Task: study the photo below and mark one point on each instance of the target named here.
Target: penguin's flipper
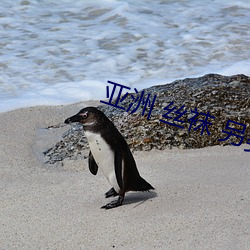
(111, 193)
(118, 166)
(93, 167)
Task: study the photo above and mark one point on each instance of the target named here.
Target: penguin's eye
(84, 115)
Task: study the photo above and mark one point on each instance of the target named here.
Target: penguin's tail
(141, 185)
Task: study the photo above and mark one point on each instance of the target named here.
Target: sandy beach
(201, 198)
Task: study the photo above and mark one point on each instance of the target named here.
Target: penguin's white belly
(104, 157)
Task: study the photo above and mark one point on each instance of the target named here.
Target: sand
(201, 200)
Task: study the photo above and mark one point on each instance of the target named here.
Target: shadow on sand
(138, 198)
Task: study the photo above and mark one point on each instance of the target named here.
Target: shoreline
(201, 198)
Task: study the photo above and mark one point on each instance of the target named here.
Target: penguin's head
(88, 117)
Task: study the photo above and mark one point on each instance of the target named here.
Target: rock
(222, 96)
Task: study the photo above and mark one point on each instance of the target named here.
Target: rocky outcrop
(224, 98)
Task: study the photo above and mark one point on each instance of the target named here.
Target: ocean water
(61, 52)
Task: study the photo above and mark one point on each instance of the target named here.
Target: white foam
(60, 52)
(242, 67)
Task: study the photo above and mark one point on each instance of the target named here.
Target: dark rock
(223, 97)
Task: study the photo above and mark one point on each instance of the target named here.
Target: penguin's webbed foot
(111, 193)
(113, 204)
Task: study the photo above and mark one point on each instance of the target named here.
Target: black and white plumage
(110, 152)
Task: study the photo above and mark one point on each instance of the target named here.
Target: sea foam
(62, 52)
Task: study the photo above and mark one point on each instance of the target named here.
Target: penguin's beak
(74, 118)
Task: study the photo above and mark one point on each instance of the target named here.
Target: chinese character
(204, 123)
(180, 114)
(141, 100)
(193, 119)
(112, 95)
(231, 133)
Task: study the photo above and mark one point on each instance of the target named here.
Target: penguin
(110, 152)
